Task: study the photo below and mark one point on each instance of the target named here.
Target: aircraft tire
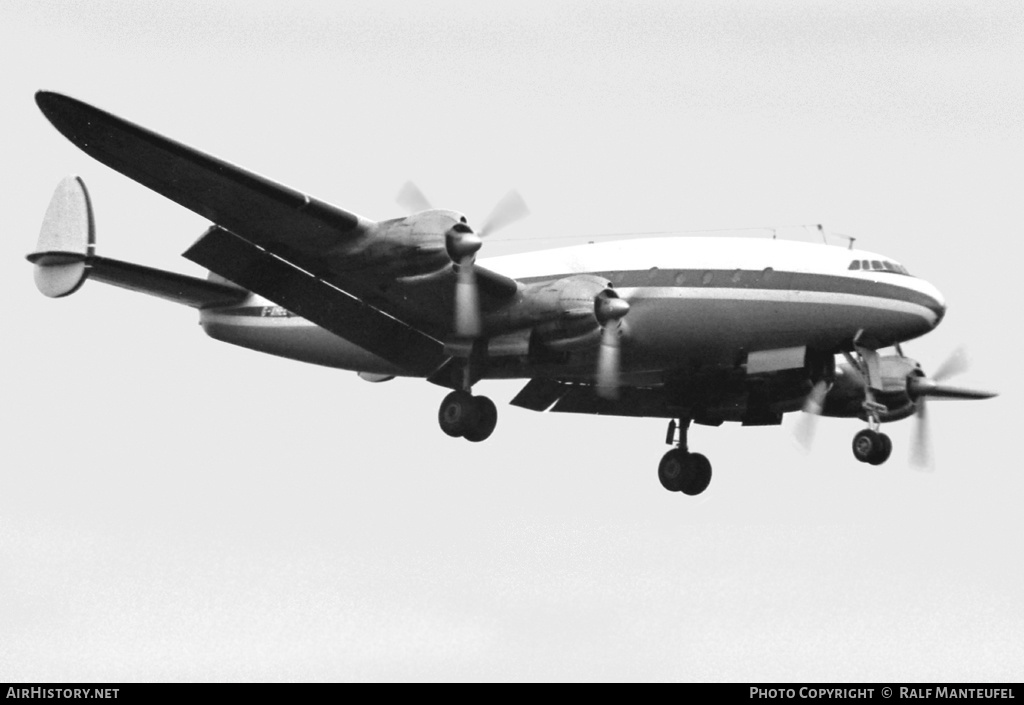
(484, 420)
(671, 469)
(697, 475)
(457, 413)
(883, 451)
(871, 447)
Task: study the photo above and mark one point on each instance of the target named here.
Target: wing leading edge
(245, 203)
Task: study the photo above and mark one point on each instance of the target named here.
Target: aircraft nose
(937, 303)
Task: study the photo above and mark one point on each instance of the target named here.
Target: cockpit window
(879, 266)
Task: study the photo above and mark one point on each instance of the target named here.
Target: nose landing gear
(870, 445)
(680, 470)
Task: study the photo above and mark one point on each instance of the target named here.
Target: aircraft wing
(243, 202)
(297, 251)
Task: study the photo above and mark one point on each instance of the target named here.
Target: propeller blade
(608, 362)
(853, 373)
(467, 301)
(412, 199)
(921, 453)
(955, 364)
(813, 404)
(507, 211)
(462, 244)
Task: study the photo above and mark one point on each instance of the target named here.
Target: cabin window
(681, 278)
(736, 276)
(766, 275)
(652, 274)
(706, 279)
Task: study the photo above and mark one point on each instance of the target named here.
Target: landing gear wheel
(697, 475)
(670, 470)
(872, 447)
(884, 450)
(483, 422)
(689, 473)
(457, 413)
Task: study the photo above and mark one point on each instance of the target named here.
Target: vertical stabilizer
(66, 240)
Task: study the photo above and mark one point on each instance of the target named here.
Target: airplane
(691, 329)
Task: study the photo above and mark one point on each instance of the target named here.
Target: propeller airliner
(689, 329)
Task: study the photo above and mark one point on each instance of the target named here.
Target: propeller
(921, 450)
(609, 310)
(412, 199)
(921, 388)
(814, 402)
(462, 244)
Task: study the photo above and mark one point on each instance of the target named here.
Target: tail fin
(65, 258)
(66, 240)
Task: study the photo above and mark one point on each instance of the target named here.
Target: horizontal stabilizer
(180, 288)
(64, 258)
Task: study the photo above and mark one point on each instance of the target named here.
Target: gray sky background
(175, 508)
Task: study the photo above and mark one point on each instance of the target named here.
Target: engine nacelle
(576, 305)
(410, 246)
(572, 331)
(559, 316)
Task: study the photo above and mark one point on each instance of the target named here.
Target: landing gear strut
(680, 470)
(870, 445)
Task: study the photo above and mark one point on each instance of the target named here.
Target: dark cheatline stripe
(762, 279)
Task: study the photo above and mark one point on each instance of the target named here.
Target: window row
(878, 265)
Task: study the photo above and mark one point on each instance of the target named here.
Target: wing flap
(632, 401)
(540, 394)
(322, 303)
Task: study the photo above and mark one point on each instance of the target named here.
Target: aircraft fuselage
(709, 299)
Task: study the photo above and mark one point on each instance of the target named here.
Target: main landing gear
(680, 470)
(466, 416)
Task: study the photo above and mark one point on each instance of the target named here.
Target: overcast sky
(173, 508)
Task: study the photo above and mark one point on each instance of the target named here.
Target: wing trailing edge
(316, 300)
